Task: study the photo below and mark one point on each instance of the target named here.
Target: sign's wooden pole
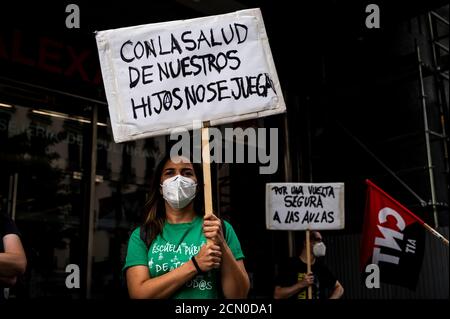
(206, 164)
(308, 261)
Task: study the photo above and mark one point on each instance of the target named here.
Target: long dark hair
(154, 214)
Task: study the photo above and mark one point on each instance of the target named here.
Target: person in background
(169, 256)
(293, 280)
(13, 261)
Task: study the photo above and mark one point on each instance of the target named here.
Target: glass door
(40, 186)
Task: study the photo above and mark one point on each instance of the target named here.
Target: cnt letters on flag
(393, 238)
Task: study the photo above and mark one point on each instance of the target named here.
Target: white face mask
(179, 191)
(319, 249)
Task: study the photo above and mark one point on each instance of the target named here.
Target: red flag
(393, 238)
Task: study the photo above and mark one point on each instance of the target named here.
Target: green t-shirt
(175, 246)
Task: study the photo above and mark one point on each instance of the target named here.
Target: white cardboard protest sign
(301, 206)
(164, 76)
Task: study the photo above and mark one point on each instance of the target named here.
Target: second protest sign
(301, 206)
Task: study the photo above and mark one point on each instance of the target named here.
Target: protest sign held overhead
(163, 76)
(300, 206)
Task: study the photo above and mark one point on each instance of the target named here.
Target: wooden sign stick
(206, 164)
(308, 261)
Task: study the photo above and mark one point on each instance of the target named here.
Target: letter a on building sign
(393, 238)
(164, 76)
